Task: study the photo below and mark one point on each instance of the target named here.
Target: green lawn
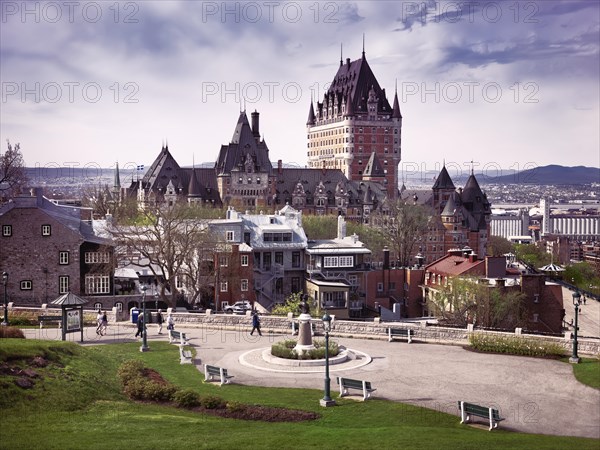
(77, 404)
(587, 371)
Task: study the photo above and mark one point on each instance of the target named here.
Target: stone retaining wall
(349, 328)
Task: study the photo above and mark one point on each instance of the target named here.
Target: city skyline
(509, 85)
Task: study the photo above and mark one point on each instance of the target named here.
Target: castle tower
(354, 121)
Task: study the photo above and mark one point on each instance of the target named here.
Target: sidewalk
(534, 395)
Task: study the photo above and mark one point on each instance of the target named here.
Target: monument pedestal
(304, 334)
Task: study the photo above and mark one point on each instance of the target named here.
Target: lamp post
(326, 400)
(576, 302)
(5, 282)
(144, 347)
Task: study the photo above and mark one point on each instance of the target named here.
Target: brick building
(50, 249)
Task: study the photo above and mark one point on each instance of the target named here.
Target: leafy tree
(319, 227)
(532, 255)
(463, 300)
(584, 276)
(403, 226)
(498, 246)
(12, 171)
(292, 305)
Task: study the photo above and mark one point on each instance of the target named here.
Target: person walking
(99, 322)
(140, 326)
(103, 324)
(159, 321)
(255, 324)
(170, 322)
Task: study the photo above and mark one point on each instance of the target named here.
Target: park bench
(185, 356)
(349, 383)
(400, 333)
(469, 409)
(213, 371)
(177, 336)
(45, 319)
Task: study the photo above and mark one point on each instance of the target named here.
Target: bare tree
(403, 226)
(12, 171)
(169, 241)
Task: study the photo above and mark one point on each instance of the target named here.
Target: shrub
(158, 392)
(11, 332)
(135, 388)
(130, 370)
(186, 398)
(514, 345)
(212, 402)
(285, 349)
(234, 406)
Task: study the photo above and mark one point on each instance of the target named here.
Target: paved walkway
(534, 395)
(589, 315)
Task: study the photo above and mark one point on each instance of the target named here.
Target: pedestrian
(255, 324)
(103, 324)
(140, 326)
(170, 322)
(159, 321)
(99, 322)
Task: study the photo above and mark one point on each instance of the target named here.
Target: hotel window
(26, 285)
(223, 286)
(63, 284)
(223, 261)
(63, 258)
(6, 230)
(278, 257)
(244, 285)
(96, 257)
(244, 260)
(229, 236)
(379, 287)
(46, 230)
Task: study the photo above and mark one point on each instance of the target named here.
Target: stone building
(49, 250)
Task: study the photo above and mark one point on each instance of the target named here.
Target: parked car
(239, 307)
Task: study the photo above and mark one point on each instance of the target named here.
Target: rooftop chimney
(255, 129)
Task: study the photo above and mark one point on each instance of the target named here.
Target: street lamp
(5, 282)
(326, 400)
(576, 302)
(144, 347)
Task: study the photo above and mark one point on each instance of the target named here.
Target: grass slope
(77, 403)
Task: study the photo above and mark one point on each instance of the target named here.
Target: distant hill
(552, 174)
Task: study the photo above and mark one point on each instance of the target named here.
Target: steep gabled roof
(443, 180)
(373, 167)
(163, 169)
(243, 143)
(356, 78)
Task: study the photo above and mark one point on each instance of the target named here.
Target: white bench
(400, 333)
(213, 371)
(361, 385)
(185, 356)
(469, 409)
(177, 336)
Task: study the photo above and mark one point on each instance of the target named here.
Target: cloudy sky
(505, 84)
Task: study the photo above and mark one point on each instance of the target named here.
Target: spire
(341, 56)
(311, 115)
(349, 107)
(363, 52)
(117, 184)
(396, 108)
